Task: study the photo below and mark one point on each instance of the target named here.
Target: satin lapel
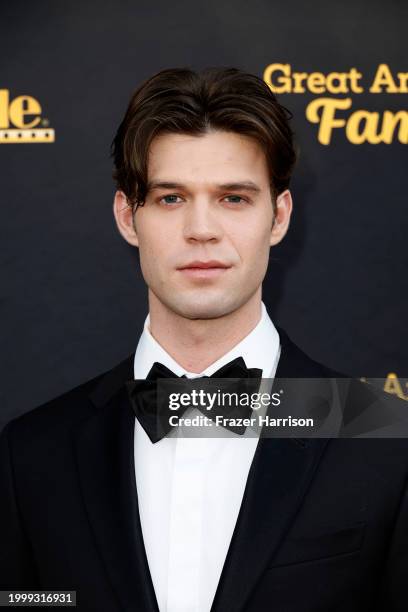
(105, 454)
(280, 475)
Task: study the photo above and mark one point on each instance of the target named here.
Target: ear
(282, 217)
(124, 217)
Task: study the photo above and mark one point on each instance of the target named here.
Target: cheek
(149, 238)
(154, 251)
(155, 235)
(252, 246)
(147, 250)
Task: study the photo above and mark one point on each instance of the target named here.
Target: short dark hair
(179, 100)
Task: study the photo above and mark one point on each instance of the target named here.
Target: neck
(197, 343)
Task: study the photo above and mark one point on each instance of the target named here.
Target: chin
(213, 308)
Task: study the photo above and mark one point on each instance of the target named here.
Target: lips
(204, 270)
(204, 265)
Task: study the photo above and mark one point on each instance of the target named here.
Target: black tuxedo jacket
(323, 524)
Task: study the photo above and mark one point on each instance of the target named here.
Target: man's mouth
(204, 269)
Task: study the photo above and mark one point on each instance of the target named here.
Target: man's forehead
(214, 146)
(178, 183)
(212, 160)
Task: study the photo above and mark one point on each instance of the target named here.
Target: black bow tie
(154, 415)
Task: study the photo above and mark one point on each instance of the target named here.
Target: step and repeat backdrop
(72, 295)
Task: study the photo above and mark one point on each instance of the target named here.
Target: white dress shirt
(190, 489)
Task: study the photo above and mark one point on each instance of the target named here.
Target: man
(92, 501)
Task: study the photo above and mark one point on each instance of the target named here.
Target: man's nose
(201, 222)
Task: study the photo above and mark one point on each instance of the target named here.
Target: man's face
(209, 201)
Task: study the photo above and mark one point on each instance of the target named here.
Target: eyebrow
(233, 186)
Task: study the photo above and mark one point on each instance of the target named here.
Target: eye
(170, 199)
(236, 199)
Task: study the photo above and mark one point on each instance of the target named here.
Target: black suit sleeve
(16, 563)
(395, 579)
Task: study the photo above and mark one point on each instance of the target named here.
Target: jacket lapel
(105, 454)
(280, 475)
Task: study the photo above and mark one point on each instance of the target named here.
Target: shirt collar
(259, 349)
